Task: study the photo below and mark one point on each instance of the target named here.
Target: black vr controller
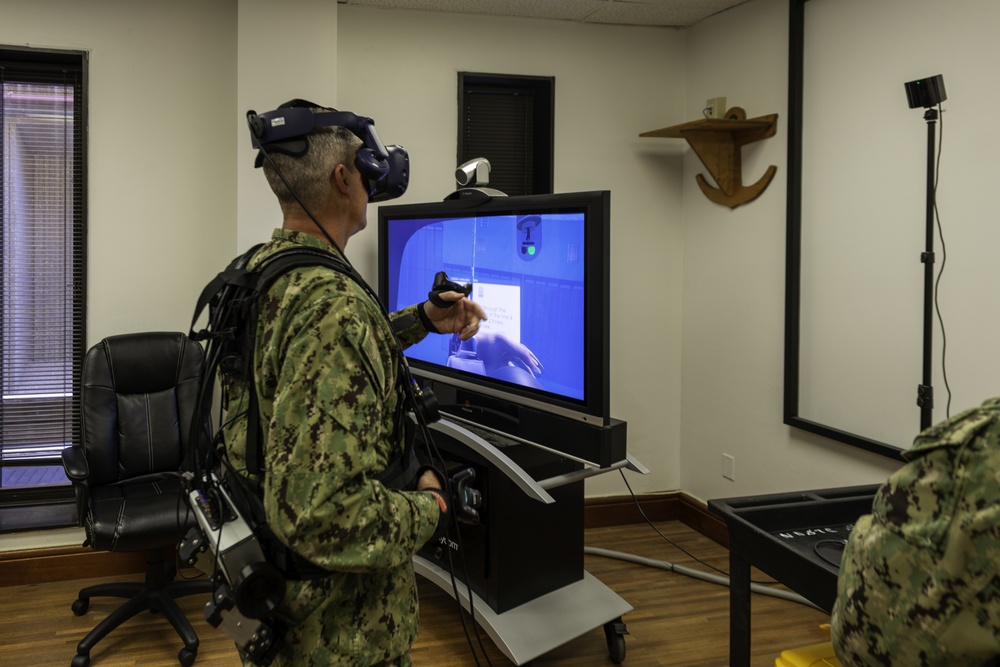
(466, 500)
(443, 284)
(422, 398)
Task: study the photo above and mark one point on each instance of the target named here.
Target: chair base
(156, 594)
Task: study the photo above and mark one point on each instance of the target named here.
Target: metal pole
(925, 392)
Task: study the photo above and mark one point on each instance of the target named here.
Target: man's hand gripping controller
(462, 503)
(465, 499)
(443, 284)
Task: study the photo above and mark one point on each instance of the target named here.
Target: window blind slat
(508, 120)
(499, 128)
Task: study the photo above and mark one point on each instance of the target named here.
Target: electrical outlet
(729, 467)
(715, 107)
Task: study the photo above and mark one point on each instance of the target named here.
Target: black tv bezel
(594, 408)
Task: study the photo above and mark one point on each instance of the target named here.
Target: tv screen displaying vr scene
(538, 265)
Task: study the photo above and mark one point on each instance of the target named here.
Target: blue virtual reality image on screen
(526, 272)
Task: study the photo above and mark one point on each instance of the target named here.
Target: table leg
(739, 611)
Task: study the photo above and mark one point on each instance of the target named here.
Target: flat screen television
(539, 265)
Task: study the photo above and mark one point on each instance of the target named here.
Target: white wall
(611, 83)
(734, 281)
(864, 206)
(698, 301)
(161, 207)
(287, 51)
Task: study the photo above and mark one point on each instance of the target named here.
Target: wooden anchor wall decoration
(718, 143)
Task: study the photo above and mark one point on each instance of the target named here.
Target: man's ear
(340, 177)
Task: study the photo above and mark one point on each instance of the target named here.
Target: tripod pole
(925, 392)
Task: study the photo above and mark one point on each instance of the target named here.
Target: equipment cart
(525, 559)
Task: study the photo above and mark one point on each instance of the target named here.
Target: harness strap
(232, 299)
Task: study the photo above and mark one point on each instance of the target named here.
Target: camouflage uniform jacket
(919, 581)
(325, 371)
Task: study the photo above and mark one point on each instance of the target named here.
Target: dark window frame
(20, 65)
(522, 120)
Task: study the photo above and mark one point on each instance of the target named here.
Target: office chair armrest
(76, 468)
(75, 464)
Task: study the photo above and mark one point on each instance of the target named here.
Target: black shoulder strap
(223, 297)
(282, 261)
(272, 268)
(234, 277)
(228, 336)
(239, 281)
(232, 299)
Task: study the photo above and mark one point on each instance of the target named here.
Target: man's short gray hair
(309, 175)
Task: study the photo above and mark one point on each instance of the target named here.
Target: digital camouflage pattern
(919, 582)
(325, 371)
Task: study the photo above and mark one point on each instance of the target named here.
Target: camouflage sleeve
(408, 325)
(329, 437)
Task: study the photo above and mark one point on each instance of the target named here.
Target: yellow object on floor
(814, 655)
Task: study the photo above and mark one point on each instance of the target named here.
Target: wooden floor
(677, 621)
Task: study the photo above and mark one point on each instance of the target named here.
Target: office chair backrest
(139, 394)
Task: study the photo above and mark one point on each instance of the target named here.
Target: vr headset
(385, 170)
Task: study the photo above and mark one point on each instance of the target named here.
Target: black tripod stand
(925, 391)
(927, 93)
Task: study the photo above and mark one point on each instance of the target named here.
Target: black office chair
(139, 393)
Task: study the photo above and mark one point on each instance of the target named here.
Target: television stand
(529, 590)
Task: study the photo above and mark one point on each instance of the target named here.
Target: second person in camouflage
(919, 583)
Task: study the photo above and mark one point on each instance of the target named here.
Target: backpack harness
(232, 299)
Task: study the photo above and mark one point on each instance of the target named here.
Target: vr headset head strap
(286, 130)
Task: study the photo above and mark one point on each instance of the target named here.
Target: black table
(796, 538)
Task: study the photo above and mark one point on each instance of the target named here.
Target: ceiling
(664, 13)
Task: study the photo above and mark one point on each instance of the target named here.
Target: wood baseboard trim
(671, 506)
(39, 566)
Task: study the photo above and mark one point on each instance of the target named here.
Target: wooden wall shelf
(718, 144)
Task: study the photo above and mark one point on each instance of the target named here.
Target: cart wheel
(614, 632)
(616, 649)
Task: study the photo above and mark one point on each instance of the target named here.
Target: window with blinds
(509, 121)
(42, 259)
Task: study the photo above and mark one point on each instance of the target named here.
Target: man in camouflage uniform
(919, 582)
(325, 368)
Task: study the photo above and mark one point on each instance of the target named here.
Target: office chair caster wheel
(186, 657)
(614, 632)
(80, 661)
(80, 608)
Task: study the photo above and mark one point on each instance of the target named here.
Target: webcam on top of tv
(471, 177)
